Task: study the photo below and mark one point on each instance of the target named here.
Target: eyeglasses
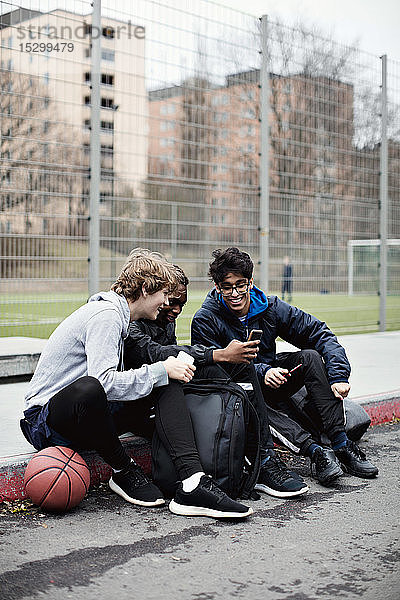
(227, 290)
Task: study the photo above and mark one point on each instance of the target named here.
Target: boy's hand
(340, 389)
(275, 377)
(237, 352)
(179, 370)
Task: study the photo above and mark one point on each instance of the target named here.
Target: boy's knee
(89, 390)
(310, 356)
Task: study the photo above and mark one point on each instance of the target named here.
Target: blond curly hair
(145, 268)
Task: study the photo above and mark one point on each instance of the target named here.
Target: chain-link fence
(147, 128)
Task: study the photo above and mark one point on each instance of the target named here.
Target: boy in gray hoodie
(81, 397)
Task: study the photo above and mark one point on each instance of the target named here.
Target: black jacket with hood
(149, 342)
(215, 325)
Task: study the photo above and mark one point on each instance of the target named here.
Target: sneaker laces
(355, 450)
(210, 485)
(136, 475)
(320, 459)
(277, 468)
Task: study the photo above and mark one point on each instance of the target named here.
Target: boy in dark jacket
(235, 307)
(152, 341)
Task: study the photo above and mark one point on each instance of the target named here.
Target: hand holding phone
(255, 335)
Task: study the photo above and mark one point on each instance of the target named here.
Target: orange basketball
(56, 478)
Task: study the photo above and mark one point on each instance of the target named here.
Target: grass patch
(37, 315)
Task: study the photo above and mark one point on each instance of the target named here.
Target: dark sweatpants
(325, 413)
(82, 414)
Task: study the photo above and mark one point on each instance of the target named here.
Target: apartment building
(311, 130)
(46, 98)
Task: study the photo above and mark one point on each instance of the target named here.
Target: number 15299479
(39, 47)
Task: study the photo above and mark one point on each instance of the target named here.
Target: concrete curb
(383, 409)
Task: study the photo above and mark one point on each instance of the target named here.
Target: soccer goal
(363, 264)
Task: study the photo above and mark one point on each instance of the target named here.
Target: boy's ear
(144, 291)
(251, 283)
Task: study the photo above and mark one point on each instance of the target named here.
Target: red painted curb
(13, 469)
(12, 473)
(383, 411)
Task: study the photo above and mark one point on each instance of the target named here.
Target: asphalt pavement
(332, 543)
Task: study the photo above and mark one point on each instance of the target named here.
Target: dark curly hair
(181, 276)
(231, 260)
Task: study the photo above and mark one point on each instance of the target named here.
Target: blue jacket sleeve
(306, 331)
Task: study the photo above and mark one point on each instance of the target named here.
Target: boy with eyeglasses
(236, 306)
(151, 341)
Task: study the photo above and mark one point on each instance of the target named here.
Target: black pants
(325, 412)
(82, 414)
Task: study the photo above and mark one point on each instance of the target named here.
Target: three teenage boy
(149, 341)
(231, 310)
(80, 396)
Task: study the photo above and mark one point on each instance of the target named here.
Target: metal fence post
(174, 231)
(94, 201)
(264, 158)
(383, 200)
(350, 280)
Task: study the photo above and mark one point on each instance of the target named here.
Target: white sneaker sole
(201, 511)
(115, 488)
(260, 487)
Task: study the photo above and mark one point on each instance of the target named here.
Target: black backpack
(227, 434)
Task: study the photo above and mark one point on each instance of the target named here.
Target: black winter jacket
(215, 325)
(149, 342)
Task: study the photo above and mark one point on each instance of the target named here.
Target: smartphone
(255, 334)
(185, 357)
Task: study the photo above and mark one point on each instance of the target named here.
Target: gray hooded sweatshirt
(90, 342)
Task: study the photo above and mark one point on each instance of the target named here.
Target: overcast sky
(375, 24)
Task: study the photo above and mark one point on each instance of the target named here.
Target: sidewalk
(375, 382)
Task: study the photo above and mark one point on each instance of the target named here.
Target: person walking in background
(287, 279)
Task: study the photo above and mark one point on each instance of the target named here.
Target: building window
(87, 100)
(108, 55)
(87, 77)
(46, 78)
(10, 42)
(167, 109)
(106, 151)
(88, 52)
(109, 33)
(88, 29)
(107, 79)
(86, 124)
(107, 126)
(107, 103)
(45, 126)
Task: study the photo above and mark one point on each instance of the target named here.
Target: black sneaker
(354, 461)
(276, 480)
(133, 485)
(292, 473)
(325, 465)
(207, 500)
